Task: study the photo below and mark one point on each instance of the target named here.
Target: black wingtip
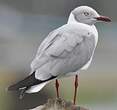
(23, 83)
(28, 82)
(9, 88)
(12, 88)
(22, 91)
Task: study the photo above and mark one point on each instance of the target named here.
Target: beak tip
(103, 18)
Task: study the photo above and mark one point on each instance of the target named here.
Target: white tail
(36, 88)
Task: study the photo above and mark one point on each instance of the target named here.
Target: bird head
(88, 15)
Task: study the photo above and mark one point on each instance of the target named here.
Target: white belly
(87, 64)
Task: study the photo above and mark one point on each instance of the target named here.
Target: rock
(59, 104)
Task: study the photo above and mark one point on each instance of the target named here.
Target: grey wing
(47, 41)
(40, 59)
(56, 46)
(64, 47)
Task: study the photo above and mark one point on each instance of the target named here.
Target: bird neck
(71, 19)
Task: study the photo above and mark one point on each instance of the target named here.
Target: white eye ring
(86, 13)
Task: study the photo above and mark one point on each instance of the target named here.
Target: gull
(65, 52)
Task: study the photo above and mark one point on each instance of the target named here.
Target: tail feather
(29, 85)
(22, 93)
(28, 82)
(36, 88)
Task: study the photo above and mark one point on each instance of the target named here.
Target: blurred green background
(25, 23)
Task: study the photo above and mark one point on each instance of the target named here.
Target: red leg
(57, 88)
(76, 86)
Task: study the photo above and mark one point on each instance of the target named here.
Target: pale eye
(86, 13)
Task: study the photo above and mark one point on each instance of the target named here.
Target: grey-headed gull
(64, 52)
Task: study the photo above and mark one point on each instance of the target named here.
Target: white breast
(96, 41)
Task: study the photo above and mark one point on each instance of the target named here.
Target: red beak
(103, 18)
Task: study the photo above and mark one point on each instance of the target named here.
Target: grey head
(88, 15)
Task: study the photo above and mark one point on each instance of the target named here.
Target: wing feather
(62, 48)
(57, 44)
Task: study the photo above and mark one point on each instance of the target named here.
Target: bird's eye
(86, 13)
